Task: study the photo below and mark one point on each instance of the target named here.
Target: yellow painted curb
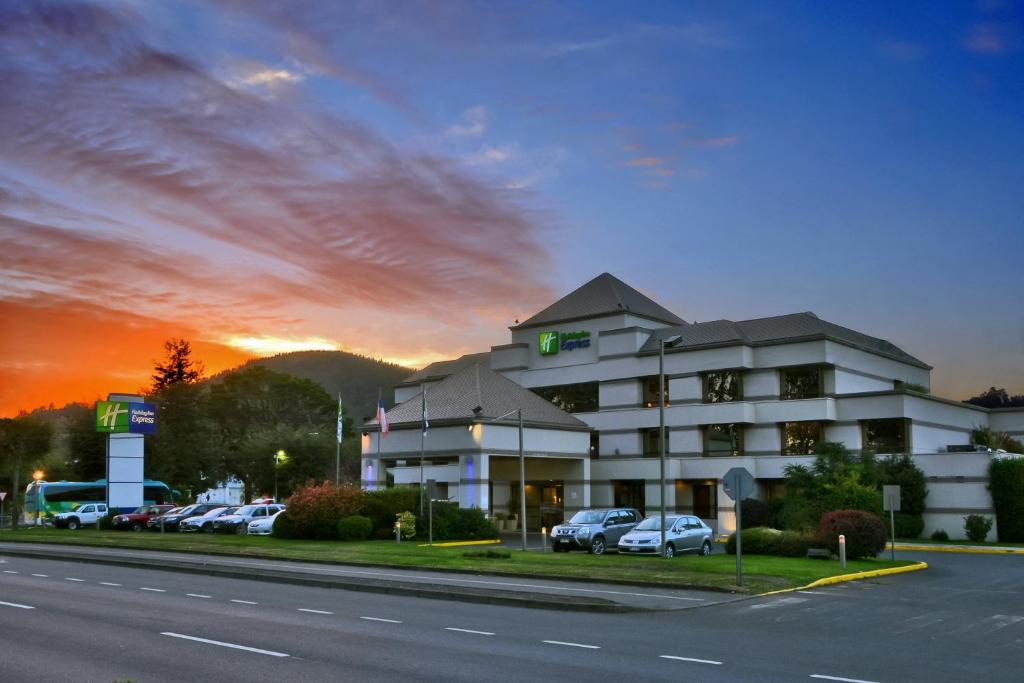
(452, 544)
(954, 549)
(843, 578)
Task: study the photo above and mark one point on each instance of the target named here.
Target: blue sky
(405, 179)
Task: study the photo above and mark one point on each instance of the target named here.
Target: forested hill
(357, 378)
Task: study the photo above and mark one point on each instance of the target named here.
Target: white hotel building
(755, 393)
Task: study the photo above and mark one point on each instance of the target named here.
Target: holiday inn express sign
(551, 343)
(121, 417)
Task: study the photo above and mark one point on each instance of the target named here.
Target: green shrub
(452, 523)
(407, 520)
(940, 535)
(908, 525)
(865, 532)
(798, 514)
(766, 541)
(901, 471)
(489, 553)
(314, 509)
(107, 521)
(977, 527)
(354, 528)
(1006, 483)
(756, 513)
(384, 505)
(283, 527)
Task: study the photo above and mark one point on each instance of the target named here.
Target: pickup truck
(83, 515)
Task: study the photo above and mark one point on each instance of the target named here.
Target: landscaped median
(717, 572)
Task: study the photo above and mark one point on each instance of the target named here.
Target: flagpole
(380, 432)
(337, 450)
(423, 437)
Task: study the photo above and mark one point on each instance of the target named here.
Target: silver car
(593, 529)
(683, 534)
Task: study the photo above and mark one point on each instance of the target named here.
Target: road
(65, 621)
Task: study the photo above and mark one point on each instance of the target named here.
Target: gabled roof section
(454, 398)
(604, 295)
(778, 329)
(444, 368)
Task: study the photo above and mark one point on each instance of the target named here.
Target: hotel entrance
(545, 504)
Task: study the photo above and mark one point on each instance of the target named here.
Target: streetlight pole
(522, 469)
(277, 459)
(661, 433)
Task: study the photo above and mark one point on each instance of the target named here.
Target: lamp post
(662, 343)
(522, 466)
(277, 459)
(37, 476)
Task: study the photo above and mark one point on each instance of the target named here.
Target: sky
(404, 180)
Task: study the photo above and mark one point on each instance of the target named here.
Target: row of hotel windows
(720, 386)
(890, 435)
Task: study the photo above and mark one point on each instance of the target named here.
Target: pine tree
(177, 367)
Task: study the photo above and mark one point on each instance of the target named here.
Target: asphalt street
(68, 621)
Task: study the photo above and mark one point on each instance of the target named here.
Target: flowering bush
(314, 509)
(408, 522)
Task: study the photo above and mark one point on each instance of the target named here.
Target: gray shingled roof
(781, 328)
(443, 368)
(477, 385)
(605, 294)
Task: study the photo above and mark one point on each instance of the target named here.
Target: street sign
(738, 483)
(891, 498)
(3, 494)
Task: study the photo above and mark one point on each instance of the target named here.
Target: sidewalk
(479, 588)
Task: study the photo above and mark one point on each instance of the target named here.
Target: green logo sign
(548, 343)
(122, 417)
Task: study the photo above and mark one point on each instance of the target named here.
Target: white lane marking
(691, 659)
(386, 621)
(838, 678)
(107, 583)
(42, 576)
(68, 578)
(14, 604)
(198, 595)
(559, 642)
(468, 630)
(153, 590)
(245, 602)
(233, 646)
(9, 571)
(314, 611)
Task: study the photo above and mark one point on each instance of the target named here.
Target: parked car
(138, 518)
(84, 515)
(238, 523)
(594, 530)
(204, 522)
(171, 519)
(263, 526)
(683, 534)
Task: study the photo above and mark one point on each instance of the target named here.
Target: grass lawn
(761, 573)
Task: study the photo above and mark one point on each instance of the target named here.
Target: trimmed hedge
(756, 513)
(865, 533)
(977, 527)
(354, 528)
(283, 527)
(766, 541)
(1006, 483)
(384, 505)
(908, 525)
(452, 523)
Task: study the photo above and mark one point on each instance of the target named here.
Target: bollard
(398, 532)
(543, 539)
(842, 551)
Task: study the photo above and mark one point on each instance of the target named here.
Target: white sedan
(264, 525)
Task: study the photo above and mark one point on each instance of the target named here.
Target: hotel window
(572, 398)
(805, 382)
(723, 440)
(722, 386)
(595, 445)
(651, 447)
(891, 435)
(800, 438)
(650, 395)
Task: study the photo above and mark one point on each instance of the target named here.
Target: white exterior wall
(620, 393)
(761, 384)
(844, 356)
(510, 356)
(847, 382)
(618, 342)
(685, 389)
(1010, 421)
(762, 440)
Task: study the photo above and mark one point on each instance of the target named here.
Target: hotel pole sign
(124, 417)
(550, 343)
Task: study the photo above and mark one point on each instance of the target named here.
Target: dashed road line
(314, 611)
(690, 659)
(386, 621)
(221, 643)
(107, 583)
(69, 578)
(14, 604)
(199, 595)
(560, 642)
(245, 602)
(10, 571)
(42, 576)
(468, 630)
(839, 678)
(153, 590)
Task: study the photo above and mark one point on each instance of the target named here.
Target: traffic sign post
(3, 494)
(891, 502)
(738, 484)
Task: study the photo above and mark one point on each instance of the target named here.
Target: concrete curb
(857, 576)
(456, 544)
(976, 550)
(566, 603)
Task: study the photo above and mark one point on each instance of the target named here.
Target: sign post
(738, 484)
(3, 494)
(891, 502)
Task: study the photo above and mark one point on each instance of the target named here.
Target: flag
(382, 418)
(426, 422)
(339, 419)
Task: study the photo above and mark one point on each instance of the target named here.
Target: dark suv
(594, 529)
(171, 520)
